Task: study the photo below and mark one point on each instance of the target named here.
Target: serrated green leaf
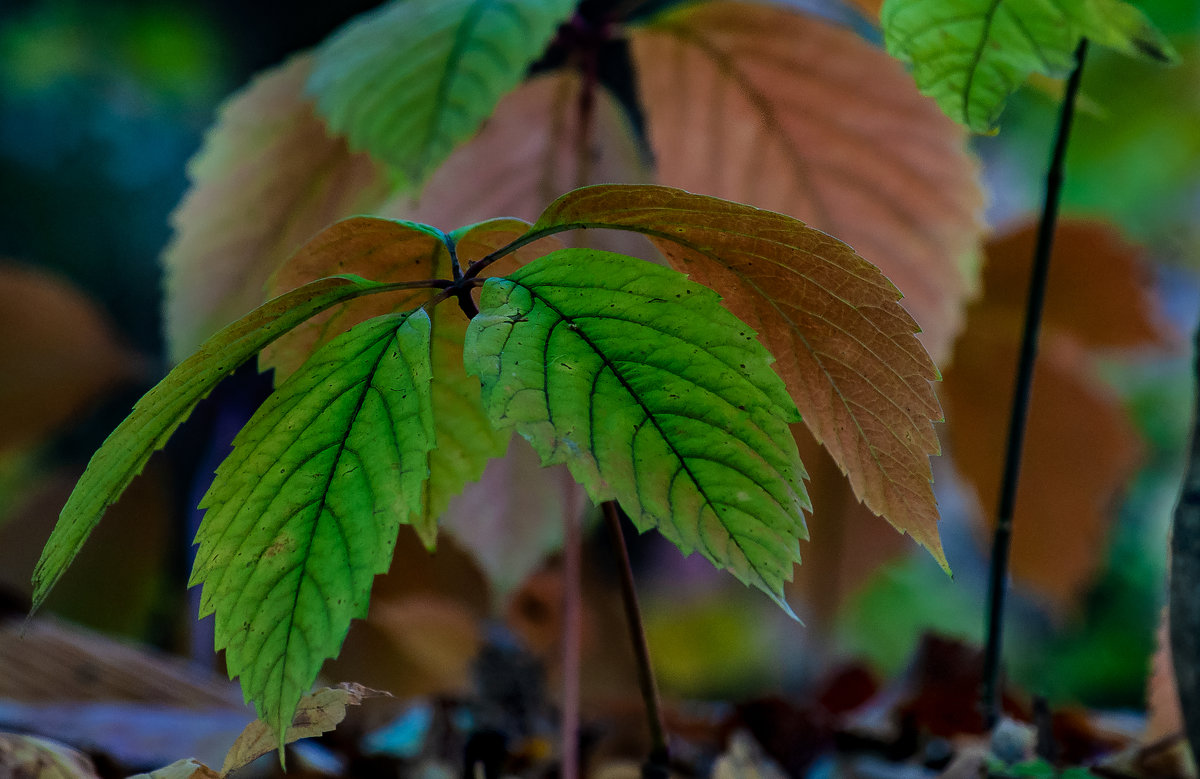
(162, 409)
(652, 394)
(970, 55)
(847, 350)
(411, 81)
(304, 512)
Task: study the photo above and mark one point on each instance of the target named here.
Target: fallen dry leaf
(316, 713)
(1079, 446)
(58, 353)
(267, 179)
(191, 768)
(770, 106)
(30, 757)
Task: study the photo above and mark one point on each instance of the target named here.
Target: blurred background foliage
(103, 103)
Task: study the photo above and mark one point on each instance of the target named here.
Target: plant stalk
(656, 764)
(1035, 302)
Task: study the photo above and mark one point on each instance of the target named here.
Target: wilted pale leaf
(652, 394)
(1080, 446)
(304, 511)
(39, 758)
(845, 347)
(772, 107)
(316, 713)
(268, 177)
(409, 82)
(970, 55)
(154, 418)
(58, 353)
(190, 768)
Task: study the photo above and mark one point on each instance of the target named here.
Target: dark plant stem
(659, 757)
(1183, 607)
(1002, 537)
(572, 649)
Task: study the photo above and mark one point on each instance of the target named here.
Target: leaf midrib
(649, 415)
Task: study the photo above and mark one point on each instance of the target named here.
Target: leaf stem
(1002, 536)
(656, 763)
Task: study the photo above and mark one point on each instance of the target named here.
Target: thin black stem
(1002, 537)
(659, 756)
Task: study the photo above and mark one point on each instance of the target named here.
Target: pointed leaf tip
(304, 512)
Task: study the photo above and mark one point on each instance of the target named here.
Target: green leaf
(155, 417)
(652, 394)
(970, 55)
(304, 512)
(411, 81)
(847, 350)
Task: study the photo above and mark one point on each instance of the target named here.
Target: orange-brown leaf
(1079, 446)
(1165, 717)
(530, 152)
(765, 105)
(58, 353)
(268, 178)
(1100, 285)
(844, 346)
(376, 249)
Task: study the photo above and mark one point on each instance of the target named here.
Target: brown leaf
(852, 544)
(58, 353)
(530, 152)
(191, 768)
(768, 106)
(512, 518)
(1165, 718)
(1079, 446)
(267, 179)
(377, 249)
(316, 713)
(117, 579)
(31, 757)
(47, 661)
(1100, 286)
(845, 347)
(423, 629)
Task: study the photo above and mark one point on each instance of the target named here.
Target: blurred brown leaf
(424, 626)
(267, 179)
(849, 543)
(772, 107)
(1080, 447)
(58, 353)
(1164, 716)
(512, 518)
(117, 582)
